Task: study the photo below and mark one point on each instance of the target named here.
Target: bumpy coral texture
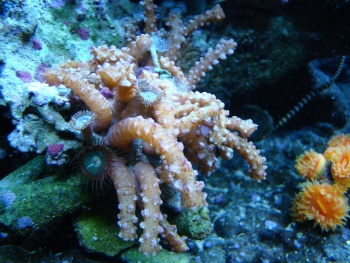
(154, 102)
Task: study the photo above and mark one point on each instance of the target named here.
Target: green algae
(39, 197)
(97, 228)
(194, 224)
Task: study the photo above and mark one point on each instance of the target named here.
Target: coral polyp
(95, 161)
(341, 166)
(310, 164)
(82, 121)
(335, 143)
(146, 94)
(321, 202)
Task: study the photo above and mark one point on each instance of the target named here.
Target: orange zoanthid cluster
(151, 104)
(319, 200)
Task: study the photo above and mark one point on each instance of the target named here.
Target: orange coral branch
(86, 91)
(225, 47)
(150, 19)
(213, 15)
(150, 196)
(176, 168)
(177, 243)
(125, 187)
(246, 149)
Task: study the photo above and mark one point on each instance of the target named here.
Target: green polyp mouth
(95, 161)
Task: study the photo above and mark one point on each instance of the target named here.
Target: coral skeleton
(155, 103)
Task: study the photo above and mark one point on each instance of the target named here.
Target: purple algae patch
(25, 222)
(55, 149)
(24, 76)
(40, 72)
(106, 93)
(84, 33)
(37, 44)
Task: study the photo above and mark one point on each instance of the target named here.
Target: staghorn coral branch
(213, 15)
(178, 33)
(125, 187)
(104, 54)
(86, 91)
(167, 64)
(150, 20)
(140, 46)
(205, 107)
(177, 243)
(150, 196)
(245, 127)
(175, 37)
(176, 168)
(225, 47)
(120, 77)
(246, 149)
(201, 151)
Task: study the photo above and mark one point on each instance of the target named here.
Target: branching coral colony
(156, 104)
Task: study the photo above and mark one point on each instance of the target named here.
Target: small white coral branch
(225, 47)
(150, 197)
